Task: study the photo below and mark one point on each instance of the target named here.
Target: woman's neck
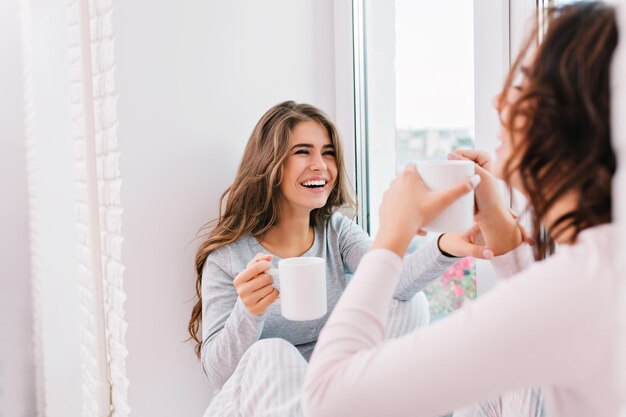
(291, 237)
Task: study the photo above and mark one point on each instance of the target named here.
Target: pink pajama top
(554, 325)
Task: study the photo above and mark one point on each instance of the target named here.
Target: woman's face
(310, 169)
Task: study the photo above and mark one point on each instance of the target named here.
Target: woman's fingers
(409, 204)
(265, 302)
(258, 302)
(473, 245)
(482, 158)
(478, 251)
(252, 271)
(253, 284)
(260, 257)
(461, 244)
(525, 235)
(483, 172)
(259, 281)
(443, 198)
(483, 252)
(254, 291)
(260, 293)
(471, 233)
(434, 202)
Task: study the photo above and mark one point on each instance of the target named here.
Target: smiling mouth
(314, 184)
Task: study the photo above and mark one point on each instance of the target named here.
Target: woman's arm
(496, 344)
(419, 268)
(499, 229)
(228, 328)
(441, 367)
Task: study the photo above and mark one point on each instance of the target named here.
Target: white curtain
(74, 190)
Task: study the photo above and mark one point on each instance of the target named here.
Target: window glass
(562, 2)
(424, 57)
(435, 108)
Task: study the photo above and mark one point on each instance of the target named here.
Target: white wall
(193, 79)
(17, 391)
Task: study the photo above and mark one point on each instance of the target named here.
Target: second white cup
(439, 174)
(302, 285)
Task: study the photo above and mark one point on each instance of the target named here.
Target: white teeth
(314, 183)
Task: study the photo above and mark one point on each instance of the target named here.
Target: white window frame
(493, 30)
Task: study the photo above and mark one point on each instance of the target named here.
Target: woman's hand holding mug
(254, 285)
(500, 229)
(409, 204)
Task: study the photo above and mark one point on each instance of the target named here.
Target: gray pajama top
(228, 329)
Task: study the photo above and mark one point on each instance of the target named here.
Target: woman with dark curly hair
(553, 324)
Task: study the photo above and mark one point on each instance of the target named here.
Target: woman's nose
(318, 163)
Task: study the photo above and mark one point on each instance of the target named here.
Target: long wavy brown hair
(250, 204)
(565, 136)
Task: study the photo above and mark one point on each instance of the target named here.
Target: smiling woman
(282, 204)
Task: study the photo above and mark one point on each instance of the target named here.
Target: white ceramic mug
(302, 285)
(439, 174)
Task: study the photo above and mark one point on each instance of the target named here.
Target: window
(562, 2)
(435, 108)
(417, 68)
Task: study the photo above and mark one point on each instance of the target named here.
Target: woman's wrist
(392, 241)
(441, 245)
(501, 233)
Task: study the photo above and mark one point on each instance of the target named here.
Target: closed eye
(307, 151)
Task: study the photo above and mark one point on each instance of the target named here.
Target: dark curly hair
(565, 132)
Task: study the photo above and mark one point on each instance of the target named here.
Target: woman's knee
(271, 347)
